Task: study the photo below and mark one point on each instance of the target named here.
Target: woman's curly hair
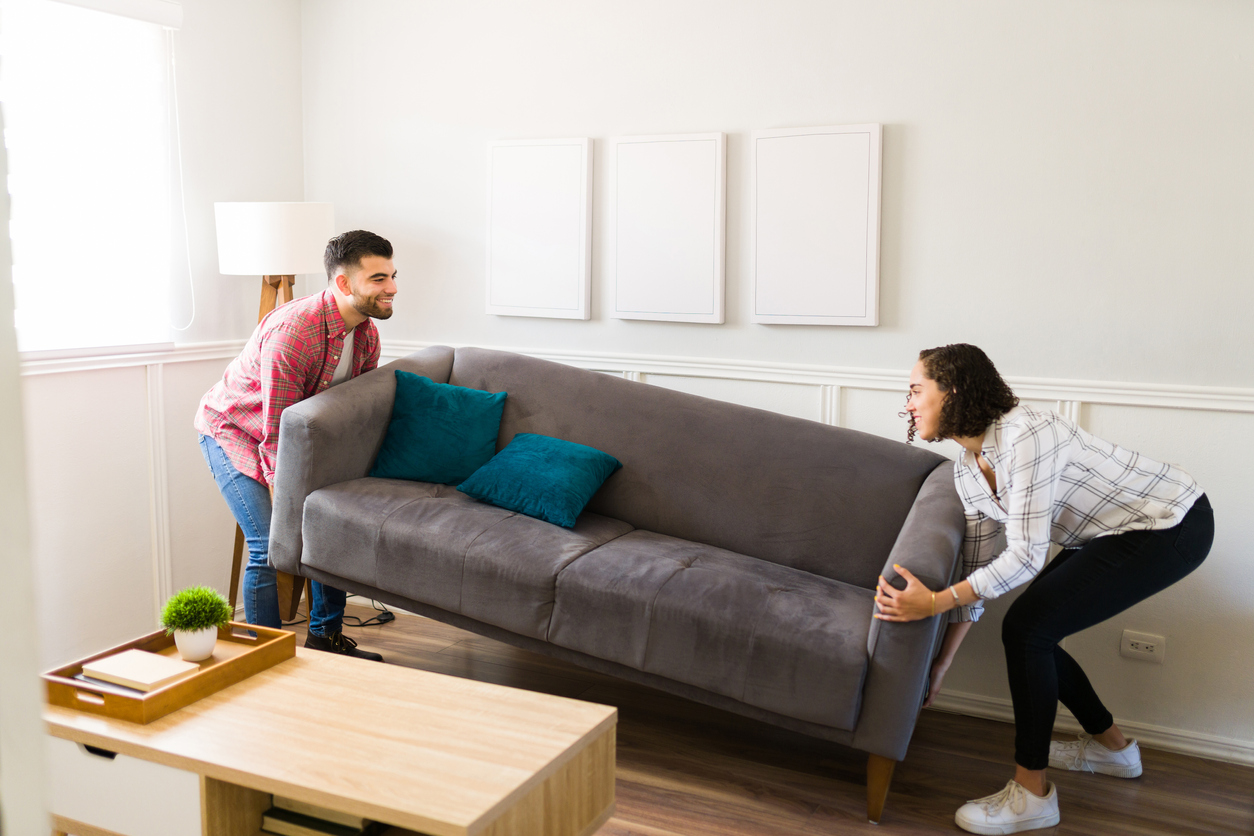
(976, 396)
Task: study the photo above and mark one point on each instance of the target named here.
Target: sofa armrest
(334, 437)
(900, 654)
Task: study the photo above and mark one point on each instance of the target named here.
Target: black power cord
(383, 616)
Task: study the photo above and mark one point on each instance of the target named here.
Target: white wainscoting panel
(1207, 617)
(795, 399)
(875, 411)
(88, 454)
(204, 529)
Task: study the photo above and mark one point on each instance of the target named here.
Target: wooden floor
(690, 770)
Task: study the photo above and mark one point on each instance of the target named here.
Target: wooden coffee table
(422, 751)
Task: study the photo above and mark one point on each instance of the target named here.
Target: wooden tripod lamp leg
(237, 563)
(275, 291)
(879, 774)
(269, 292)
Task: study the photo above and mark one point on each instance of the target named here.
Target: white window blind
(86, 96)
(167, 13)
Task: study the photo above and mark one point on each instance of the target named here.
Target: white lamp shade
(272, 239)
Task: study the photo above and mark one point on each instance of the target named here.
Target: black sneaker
(341, 644)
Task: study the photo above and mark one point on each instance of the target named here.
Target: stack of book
(289, 817)
(137, 670)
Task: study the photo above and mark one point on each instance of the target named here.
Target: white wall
(1067, 184)
(1072, 175)
(238, 69)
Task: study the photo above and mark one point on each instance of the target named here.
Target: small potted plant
(194, 615)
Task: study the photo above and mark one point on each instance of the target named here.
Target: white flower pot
(196, 646)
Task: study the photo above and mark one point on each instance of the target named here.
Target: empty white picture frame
(666, 230)
(539, 228)
(815, 201)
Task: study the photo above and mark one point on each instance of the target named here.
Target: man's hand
(914, 602)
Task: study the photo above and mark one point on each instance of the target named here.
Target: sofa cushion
(542, 477)
(341, 523)
(432, 544)
(438, 432)
(774, 637)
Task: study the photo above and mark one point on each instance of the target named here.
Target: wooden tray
(236, 657)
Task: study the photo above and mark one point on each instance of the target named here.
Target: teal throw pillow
(438, 433)
(542, 477)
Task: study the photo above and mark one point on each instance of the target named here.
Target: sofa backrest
(823, 499)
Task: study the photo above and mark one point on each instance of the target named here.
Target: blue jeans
(1079, 588)
(249, 501)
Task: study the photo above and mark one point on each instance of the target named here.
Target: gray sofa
(732, 560)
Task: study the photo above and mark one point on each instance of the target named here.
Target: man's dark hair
(348, 249)
(976, 396)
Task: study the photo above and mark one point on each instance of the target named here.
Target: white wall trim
(1198, 744)
(1070, 393)
(830, 409)
(93, 351)
(190, 353)
(1069, 410)
(159, 490)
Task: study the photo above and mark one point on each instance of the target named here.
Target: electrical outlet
(1143, 646)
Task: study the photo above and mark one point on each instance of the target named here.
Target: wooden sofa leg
(879, 774)
(290, 588)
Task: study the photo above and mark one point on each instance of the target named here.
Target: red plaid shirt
(291, 356)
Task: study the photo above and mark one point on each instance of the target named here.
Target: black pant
(1079, 588)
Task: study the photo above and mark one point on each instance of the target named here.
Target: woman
(1128, 527)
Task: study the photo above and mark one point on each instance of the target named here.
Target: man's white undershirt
(345, 366)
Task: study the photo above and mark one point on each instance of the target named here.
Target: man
(297, 351)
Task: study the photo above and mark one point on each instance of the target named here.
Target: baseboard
(1198, 744)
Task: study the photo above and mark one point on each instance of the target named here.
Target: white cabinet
(125, 795)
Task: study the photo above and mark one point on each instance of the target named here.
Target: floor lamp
(276, 241)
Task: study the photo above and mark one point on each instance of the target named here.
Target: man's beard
(371, 308)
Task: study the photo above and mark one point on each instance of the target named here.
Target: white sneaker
(1087, 755)
(1012, 810)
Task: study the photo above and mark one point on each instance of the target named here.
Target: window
(86, 97)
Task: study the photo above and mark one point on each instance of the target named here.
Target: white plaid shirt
(1055, 483)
